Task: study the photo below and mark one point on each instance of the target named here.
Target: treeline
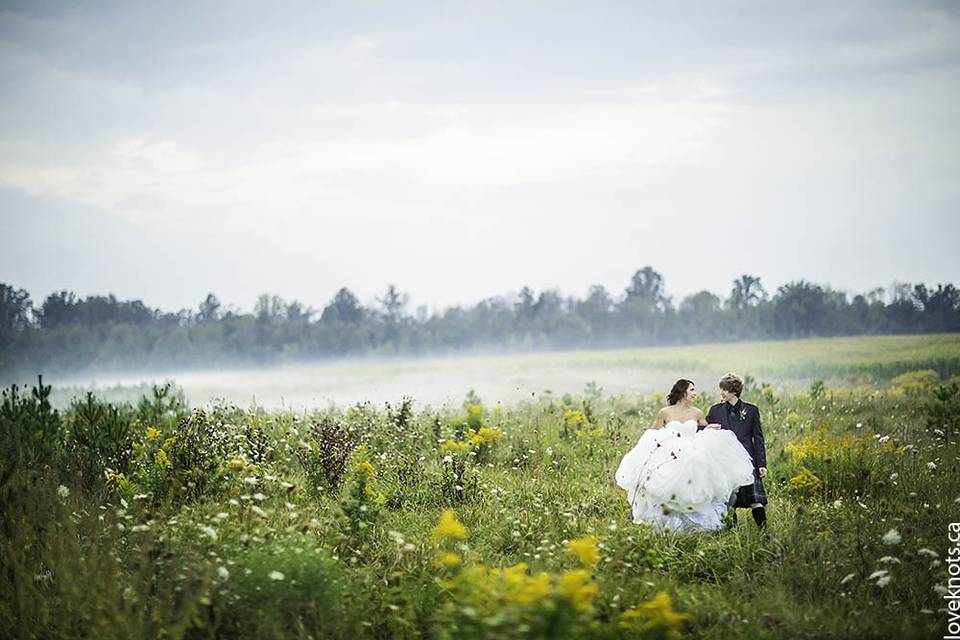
(67, 333)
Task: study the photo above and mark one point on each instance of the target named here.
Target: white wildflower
(223, 573)
(928, 552)
(257, 510)
(889, 560)
(931, 465)
(140, 528)
(210, 532)
(259, 497)
(879, 573)
(276, 575)
(63, 491)
(848, 578)
(252, 480)
(883, 581)
(891, 537)
(883, 439)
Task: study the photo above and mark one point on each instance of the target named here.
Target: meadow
(152, 519)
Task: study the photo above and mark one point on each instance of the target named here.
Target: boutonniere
(743, 413)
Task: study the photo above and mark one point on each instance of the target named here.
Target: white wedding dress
(679, 479)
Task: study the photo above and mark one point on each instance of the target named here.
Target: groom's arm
(710, 419)
(760, 451)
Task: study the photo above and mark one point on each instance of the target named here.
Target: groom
(743, 419)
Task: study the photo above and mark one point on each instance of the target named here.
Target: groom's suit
(743, 419)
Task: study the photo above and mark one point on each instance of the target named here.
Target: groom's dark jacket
(744, 420)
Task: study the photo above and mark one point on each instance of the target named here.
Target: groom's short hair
(732, 383)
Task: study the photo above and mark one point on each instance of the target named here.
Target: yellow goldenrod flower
(586, 550)
(365, 467)
(236, 463)
(454, 445)
(577, 587)
(153, 433)
(655, 615)
(805, 482)
(448, 527)
(161, 460)
(447, 560)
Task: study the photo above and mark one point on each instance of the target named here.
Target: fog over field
(430, 381)
(508, 379)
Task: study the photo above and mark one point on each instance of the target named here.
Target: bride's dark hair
(679, 390)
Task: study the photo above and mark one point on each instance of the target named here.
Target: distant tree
(269, 309)
(747, 292)
(209, 310)
(940, 308)
(59, 309)
(523, 307)
(703, 303)
(343, 308)
(392, 304)
(15, 311)
(799, 309)
(647, 286)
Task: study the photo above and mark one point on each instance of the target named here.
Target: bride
(678, 478)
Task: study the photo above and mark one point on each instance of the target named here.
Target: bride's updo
(679, 390)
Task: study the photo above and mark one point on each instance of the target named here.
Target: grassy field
(789, 365)
(481, 519)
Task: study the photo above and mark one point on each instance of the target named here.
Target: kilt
(749, 494)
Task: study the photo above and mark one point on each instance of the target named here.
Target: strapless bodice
(687, 427)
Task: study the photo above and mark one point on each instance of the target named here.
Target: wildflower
(586, 550)
(259, 497)
(485, 437)
(63, 491)
(153, 433)
(276, 575)
(209, 531)
(882, 577)
(365, 468)
(454, 446)
(848, 578)
(931, 465)
(257, 510)
(223, 572)
(928, 552)
(656, 615)
(891, 537)
(520, 587)
(824, 534)
(805, 482)
(447, 560)
(161, 460)
(236, 463)
(448, 527)
(577, 587)
(252, 480)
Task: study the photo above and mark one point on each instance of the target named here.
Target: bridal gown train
(680, 479)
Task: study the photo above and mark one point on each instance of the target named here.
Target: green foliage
(99, 439)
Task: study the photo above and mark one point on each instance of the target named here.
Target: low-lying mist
(432, 381)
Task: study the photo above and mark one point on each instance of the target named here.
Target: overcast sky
(462, 150)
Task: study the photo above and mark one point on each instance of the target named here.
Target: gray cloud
(248, 149)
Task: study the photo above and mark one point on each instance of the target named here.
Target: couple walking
(689, 469)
